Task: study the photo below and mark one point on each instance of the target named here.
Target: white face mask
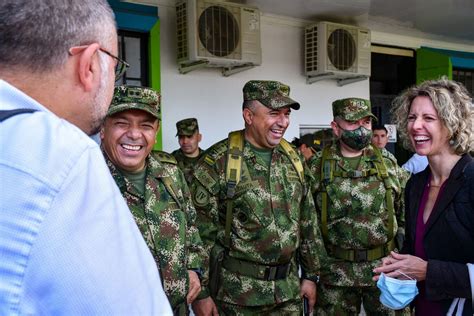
(396, 294)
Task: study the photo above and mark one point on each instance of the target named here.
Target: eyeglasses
(120, 67)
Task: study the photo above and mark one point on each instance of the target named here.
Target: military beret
(134, 97)
(187, 127)
(272, 94)
(352, 109)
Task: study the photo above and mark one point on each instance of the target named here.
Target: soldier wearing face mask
(358, 194)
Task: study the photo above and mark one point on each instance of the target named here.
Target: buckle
(276, 272)
(360, 255)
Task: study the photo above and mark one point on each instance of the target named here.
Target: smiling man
(256, 216)
(155, 190)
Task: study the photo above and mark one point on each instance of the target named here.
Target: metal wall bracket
(341, 80)
(185, 68)
(228, 71)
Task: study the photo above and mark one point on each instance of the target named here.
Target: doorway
(393, 70)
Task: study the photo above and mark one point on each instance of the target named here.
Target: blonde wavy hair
(453, 105)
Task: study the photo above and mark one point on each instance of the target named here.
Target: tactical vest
(234, 169)
(328, 173)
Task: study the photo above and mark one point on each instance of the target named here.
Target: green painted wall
(432, 65)
(155, 71)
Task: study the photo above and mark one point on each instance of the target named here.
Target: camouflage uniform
(273, 220)
(187, 127)
(357, 218)
(164, 214)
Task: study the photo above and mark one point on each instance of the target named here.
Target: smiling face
(265, 127)
(427, 133)
(128, 138)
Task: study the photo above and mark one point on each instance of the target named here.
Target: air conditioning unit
(217, 34)
(337, 50)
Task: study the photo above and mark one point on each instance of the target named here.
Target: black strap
(5, 114)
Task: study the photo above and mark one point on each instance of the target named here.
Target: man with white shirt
(68, 243)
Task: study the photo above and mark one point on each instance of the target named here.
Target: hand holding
(397, 264)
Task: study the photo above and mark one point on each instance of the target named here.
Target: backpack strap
(327, 175)
(5, 114)
(383, 174)
(295, 159)
(232, 175)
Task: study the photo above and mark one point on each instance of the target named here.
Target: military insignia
(200, 197)
(209, 160)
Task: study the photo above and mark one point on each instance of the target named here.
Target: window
(465, 76)
(133, 48)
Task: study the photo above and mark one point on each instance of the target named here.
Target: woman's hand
(396, 265)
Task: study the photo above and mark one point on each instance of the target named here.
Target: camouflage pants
(340, 300)
(288, 308)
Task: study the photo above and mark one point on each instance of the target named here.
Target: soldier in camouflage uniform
(359, 209)
(155, 190)
(189, 152)
(272, 229)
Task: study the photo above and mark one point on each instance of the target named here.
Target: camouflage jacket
(357, 216)
(166, 219)
(186, 164)
(273, 223)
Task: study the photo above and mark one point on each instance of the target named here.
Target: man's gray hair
(36, 35)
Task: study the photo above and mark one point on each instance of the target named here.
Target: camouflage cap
(272, 94)
(187, 127)
(134, 97)
(310, 140)
(352, 109)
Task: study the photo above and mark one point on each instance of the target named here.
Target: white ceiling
(453, 18)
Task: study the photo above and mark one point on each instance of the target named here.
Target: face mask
(356, 139)
(396, 294)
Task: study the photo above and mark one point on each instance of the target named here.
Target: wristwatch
(199, 273)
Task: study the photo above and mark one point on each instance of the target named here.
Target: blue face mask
(396, 294)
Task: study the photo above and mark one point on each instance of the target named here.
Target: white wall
(216, 101)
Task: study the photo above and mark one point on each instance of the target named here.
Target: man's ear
(248, 116)
(88, 66)
(335, 129)
(199, 137)
(102, 133)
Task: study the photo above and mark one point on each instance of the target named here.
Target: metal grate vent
(311, 49)
(342, 49)
(181, 31)
(219, 32)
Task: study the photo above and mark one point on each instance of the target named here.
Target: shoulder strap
(383, 174)
(327, 175)
(295, 159)
(5, 114)
(232, 175)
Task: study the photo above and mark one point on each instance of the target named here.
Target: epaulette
(388, 155)
(218, 150)
(164, 157)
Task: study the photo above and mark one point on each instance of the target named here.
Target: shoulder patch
(200, 196)
(164, 157)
